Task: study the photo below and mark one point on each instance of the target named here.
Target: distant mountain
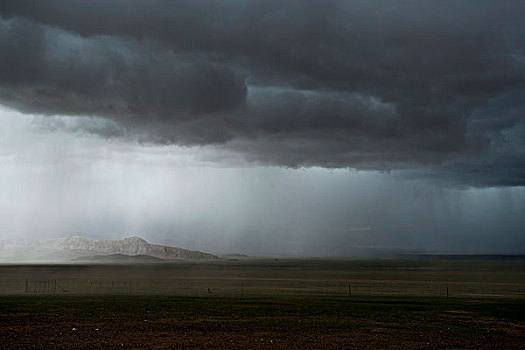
(130, 246)
(79, 247)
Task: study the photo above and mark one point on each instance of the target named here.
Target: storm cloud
(435, 87)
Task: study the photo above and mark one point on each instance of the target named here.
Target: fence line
(252, 288)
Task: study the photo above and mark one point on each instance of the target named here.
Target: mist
(57, 182)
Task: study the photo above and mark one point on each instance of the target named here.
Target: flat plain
(430, 302)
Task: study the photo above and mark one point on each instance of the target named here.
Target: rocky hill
(73, 247)
(130, 246)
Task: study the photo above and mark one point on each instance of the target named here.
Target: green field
(266, 303)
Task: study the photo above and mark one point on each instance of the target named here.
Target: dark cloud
(437, 86)
(48, 70)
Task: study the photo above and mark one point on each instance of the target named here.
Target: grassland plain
(266, 303)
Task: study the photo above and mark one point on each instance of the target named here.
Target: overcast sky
(266, 127)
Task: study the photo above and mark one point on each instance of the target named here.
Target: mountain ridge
(73, 247)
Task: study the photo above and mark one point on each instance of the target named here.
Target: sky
(301, 128)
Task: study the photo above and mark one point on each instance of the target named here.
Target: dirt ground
(290, 326)
(213, 334)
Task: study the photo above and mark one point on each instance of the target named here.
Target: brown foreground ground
(208, 323)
